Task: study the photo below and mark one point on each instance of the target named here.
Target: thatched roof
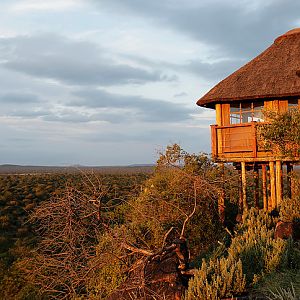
(273, 74)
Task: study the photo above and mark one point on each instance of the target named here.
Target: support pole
(264, 186)
(244, 185)
(278, 182)
(272, 185)
(240, 192)
(256, 186)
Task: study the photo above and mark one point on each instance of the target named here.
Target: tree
(88, 249)
(68, 227)
(282, 133)
(179, 202)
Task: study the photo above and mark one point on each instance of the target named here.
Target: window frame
(239, 111)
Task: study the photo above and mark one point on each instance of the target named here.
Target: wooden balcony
(237, 142)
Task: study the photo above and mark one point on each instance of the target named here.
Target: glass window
(235, 114)
(257, 111)
(293, 103)
(246, 116)
(246, 112)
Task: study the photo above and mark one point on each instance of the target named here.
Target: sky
(113, 82)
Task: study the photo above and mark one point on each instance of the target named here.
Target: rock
(283, 230)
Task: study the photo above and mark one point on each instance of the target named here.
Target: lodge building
(271, 81)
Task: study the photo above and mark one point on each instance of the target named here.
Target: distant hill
(18, 169)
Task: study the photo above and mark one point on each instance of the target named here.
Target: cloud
(182, 94)
(22, 6)
(93, 105)
(211, 70)
(137, 108)
(215, 71)
(18, 98)
(67, 118)
(22, 105)
(70, 62)
(231, 28)
(142, 134)
(31, 113)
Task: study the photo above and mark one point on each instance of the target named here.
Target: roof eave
(210, 103)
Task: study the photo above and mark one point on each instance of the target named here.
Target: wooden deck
(239, 142)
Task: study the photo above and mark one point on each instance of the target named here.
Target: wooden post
(278, 182)
(264, 186)
(214, 141)
(244, 185)
(253, 124)
(272, 185)
(219, 123)
(256, 186)
(218, 114)
(240, 192)
(289, 169)
(269, 189)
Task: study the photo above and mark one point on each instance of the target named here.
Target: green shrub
(256, 246)
(282, 133)
(253, 253)
(109, 273)
(283, 294)
(290, 209)
(277, 281)
(216, 279)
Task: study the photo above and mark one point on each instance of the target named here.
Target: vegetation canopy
(140, 236)
(282, 133)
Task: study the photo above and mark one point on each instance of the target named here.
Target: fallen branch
(137, 250)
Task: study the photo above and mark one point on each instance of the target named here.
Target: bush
(283, 294)
(279, 281)
(282, 134)
(184, 187)
(253, 253)
(290, 209)
(256, 246)
(109, 273)
(220, 278)
(179, 182)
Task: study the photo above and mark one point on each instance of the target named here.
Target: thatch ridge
(273, 74)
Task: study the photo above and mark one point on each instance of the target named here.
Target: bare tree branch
(191, 214)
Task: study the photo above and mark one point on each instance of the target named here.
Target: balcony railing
(237, 138)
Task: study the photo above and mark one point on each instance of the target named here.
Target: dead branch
(166, 236)
(190, 272)
(136, 250)
(191, 214)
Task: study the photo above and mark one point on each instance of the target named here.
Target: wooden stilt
(256, 187)
(289, 169)
(244, 185)
(264, 186)
(278, 182)
(240, 192)
(269, 189)
(272, 184)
